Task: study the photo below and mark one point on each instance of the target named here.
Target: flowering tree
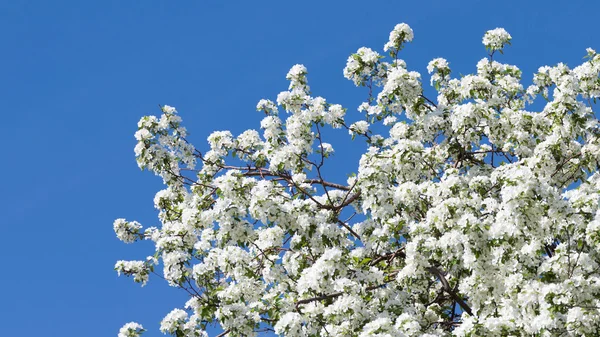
(469, 215)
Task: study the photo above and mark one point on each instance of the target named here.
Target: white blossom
(472, 212)
(400, 34)
(360, 127)
(131, 329)
(127, 232)
(495, 39)
(174, 321)
(138, 269)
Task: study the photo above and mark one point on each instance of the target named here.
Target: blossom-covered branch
(468, 214)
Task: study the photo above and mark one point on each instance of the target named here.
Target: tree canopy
(468, 214)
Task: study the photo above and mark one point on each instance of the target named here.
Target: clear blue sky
(75, 77)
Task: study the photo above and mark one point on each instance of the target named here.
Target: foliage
(469, 215)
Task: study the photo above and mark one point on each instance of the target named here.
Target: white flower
(138, 269)
(143, 134)
(360, 127)
(335, 115)
(475, 192)
(290, 324)
(439, 63)
(296, 73)
(495, 39)
(131, 329)
(400, 34)
(267, 106)
(174, 321)
(368, 55)
(126, 231)
(168, 109)
(327, 148)
(389, 120)
(221, 140)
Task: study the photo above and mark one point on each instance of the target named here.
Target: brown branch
(345, 203)
(389, 256)
(254, 171)
(328, 184)
(345, 225)
(223, 333)
(428, 100)
(446, 286)
(334, 295)
(561, 165)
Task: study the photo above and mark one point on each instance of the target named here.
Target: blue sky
(75, 77)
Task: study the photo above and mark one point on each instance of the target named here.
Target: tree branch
(223, 333)
(449, 290)
(334, 295)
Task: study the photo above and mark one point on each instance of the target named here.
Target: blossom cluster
(469, 214)
(400, 34)
(131, 329)
(495, 39)
(127, 232)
